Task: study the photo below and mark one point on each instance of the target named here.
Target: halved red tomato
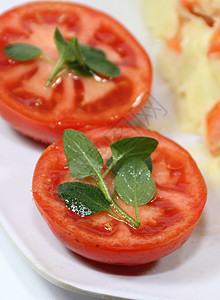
(166, 222)
(73, 101)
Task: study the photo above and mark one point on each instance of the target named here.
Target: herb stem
(123, 213)
(108, 169)
(51, 61)
(58, 67)
(137, 215)
(120, 218)
(77, 52)
(104, 189)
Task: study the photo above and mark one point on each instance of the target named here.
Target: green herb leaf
(79, 69)
(140, 147)
(88, 50)
(100, 64)
(117, 166)
(75, 46)
(134, 183)
(83, 158)
(22, 51)
(95, 59)
(83, 199)
(149, 163)
(59, 41)
(63, 47)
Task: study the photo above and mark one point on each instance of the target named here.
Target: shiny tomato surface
(72, 101)
(166, 222)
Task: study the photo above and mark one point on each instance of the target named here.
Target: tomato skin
(40, 131)
(137, 255)
(125, 245)
(42, 113)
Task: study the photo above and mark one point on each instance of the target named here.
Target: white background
(19, 281)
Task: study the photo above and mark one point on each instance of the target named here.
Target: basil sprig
(73, 57)
(133, 180)
(22, 51)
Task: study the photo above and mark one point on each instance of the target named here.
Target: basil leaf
(117, 166)
(75, 46)
(82, 156)
(94, 59)
(63, 47)
(140, 146)
(134, 183)
(59, 41)
(149, 164)
(81, 70)
(83, 199)
(22, 51)
(100, 64)
(88, 50)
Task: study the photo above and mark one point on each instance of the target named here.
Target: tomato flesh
(166, 222)
(72, 101)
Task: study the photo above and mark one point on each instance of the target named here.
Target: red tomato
(166, 222)
(74, 101)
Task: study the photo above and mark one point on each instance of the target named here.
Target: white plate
(192, 272)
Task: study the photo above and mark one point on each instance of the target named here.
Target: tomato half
(73, 101)
(166, 222)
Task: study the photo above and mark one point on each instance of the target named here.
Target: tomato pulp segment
(166, 222)
(72, 101)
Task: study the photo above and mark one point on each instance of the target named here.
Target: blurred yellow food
(188, 60)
